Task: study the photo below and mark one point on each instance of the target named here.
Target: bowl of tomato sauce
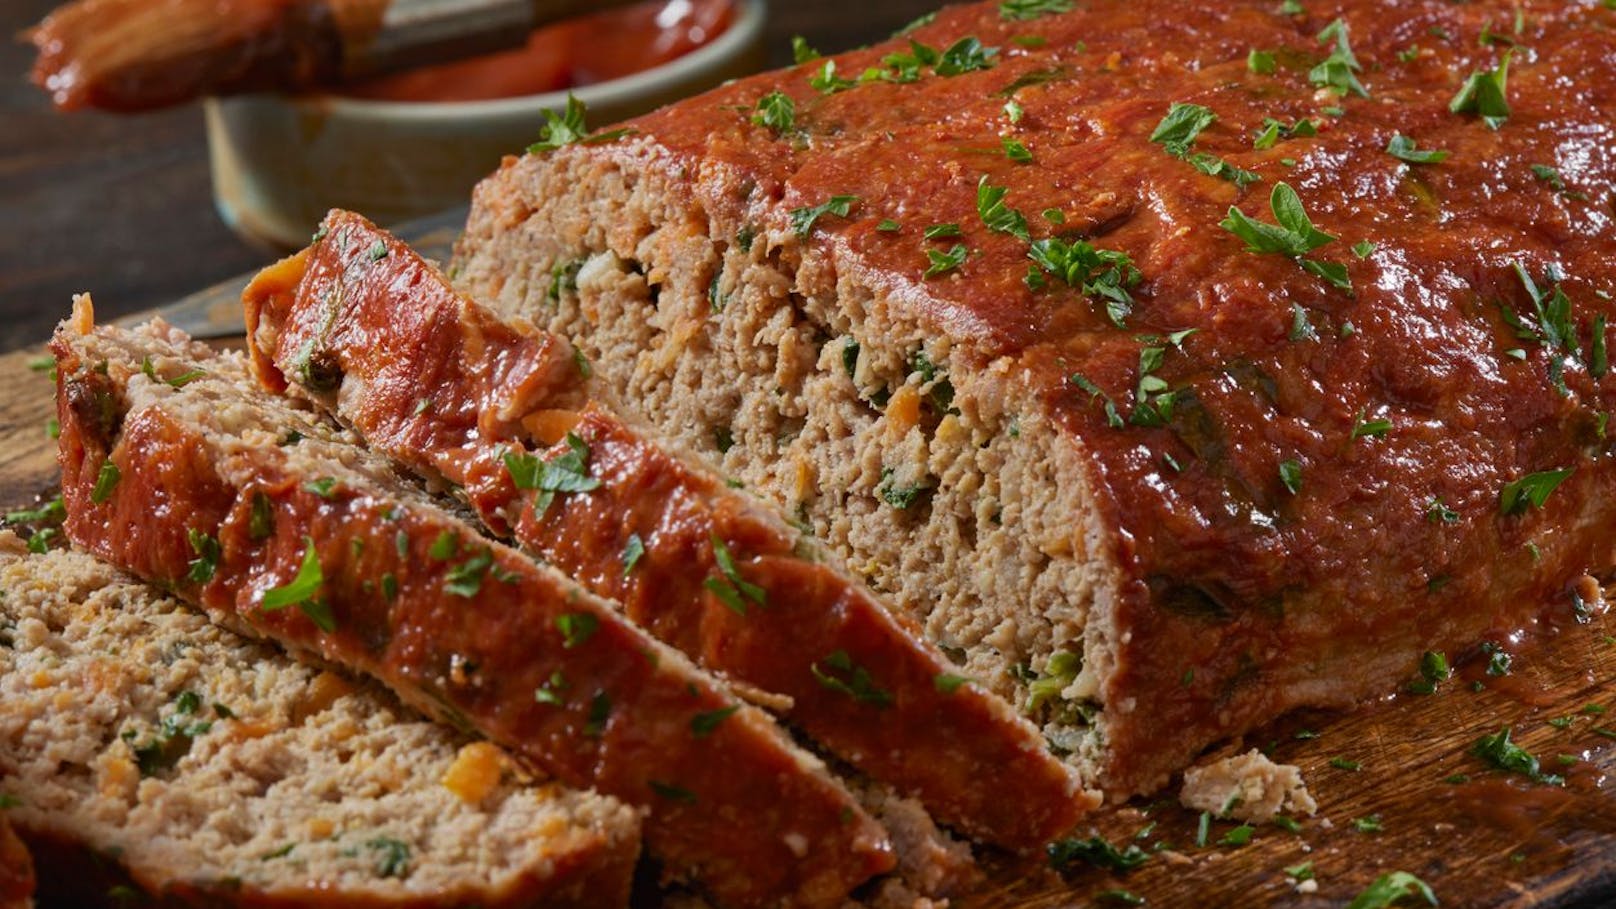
(408, 144)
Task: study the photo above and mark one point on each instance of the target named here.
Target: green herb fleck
(703, 725)
(1096, 851)
(106, 480)
(1484, 94)
(300, 591)
(568, 129)
(802, 219)
(1530, 491)
(839, 673)
(576, 628)
(1403, 148)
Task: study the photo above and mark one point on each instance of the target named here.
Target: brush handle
(380, 36)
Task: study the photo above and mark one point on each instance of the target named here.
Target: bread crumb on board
(1248, 787)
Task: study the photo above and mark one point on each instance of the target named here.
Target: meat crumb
(1249, 787)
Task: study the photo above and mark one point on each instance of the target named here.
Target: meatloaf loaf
(216, 771)
(1176, 363)
(178, 469)
(358, 320)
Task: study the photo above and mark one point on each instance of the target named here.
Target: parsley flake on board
(300, 591)
(1389, 889)
(568, 128)
(1096, 851)
(1499, 751)
(1485, 94)
(802, 219)
(1293, 235)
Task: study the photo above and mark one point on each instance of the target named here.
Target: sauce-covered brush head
(134, 55)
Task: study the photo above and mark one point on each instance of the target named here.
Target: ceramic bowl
(280, 162)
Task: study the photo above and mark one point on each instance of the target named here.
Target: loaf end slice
(208, 767)
(270, 517)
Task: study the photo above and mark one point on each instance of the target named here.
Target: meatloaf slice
(362, 325)
(213, 769)
(178, 468)
(16, 870)
(1180, 363)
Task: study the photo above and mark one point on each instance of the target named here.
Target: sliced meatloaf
(363, 326)
(1178, 363)
(16, 870)
(178, 468)
(214, 770)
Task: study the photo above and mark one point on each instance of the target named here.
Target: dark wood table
(122, 206)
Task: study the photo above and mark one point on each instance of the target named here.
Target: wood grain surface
(1387, 777)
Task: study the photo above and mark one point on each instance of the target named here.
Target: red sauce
(580, 51)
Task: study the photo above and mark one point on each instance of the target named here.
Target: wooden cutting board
(1397, 785)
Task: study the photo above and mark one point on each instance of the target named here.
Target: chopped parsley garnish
(1435, 511)
(802, 51)
(568, 472)
(703, 725)
(1339, 71)
(1023, 10)
(633, 551)
(444, 546)
(1294, 235)
(106, 480)
(1153, 397)
(52, 512)
(671, 792)
(944, 262)
(600, 710)
(1375, 428)
(1301, 327)
(173, 737)
(1096, 851)
(826, 82)
(1184, 122)
(1509, 757)
(778, 112)
(261, 519)
(1261, 62)
(1484, 94)
(1498, 659)
(1363, 249)
(466, 578)
(323, 487)
(964, 56)
(576, 628)
(1434, 670)
(1300, 872)
(1203, 828)
(940, 231)
(1368, 824)
(1102, 273)
(207, 556)
(1275, 130)
(300, 591)
(1112, 418)
(948, 682)
(1403, 148)
(1341, 763)
(802, 219)
(550, 691)
(999, 217)
(1239, 836)
(1015, 150)
(1290, 474)
(392, 856)
(732, 590)
(1530, 491)
(888, 226)
(378, 251)
(1550, 176)
(568, 129)
(899, 497)
(839, 673)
